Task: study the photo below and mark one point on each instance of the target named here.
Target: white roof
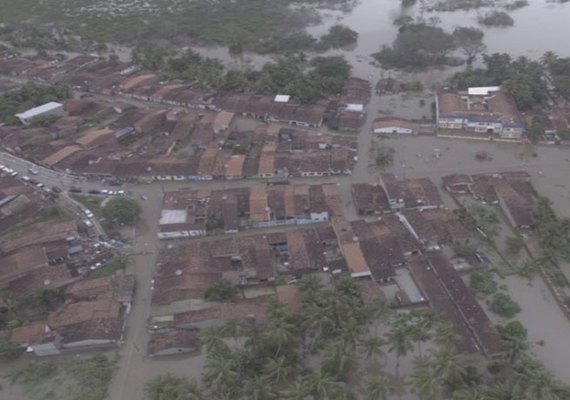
(355, 107)
(482, 91)
(282, 98)
(168, 217)
(32, 112)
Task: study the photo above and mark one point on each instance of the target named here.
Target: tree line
(306, 80)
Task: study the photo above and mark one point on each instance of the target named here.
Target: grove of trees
(308, 81)
(337, 348)
(28, 96)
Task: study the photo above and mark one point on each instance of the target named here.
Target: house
(290, 297)
(395, 126)
(369, 199)
(457, 183)
(51, 108)
(223, 121)
(173, 342)
(419, 193)
(484, 112)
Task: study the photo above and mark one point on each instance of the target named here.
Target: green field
(222, 21)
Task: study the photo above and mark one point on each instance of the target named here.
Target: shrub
(482, 283)
(221, 291)
(504, 306)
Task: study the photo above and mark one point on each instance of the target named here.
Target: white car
(120, 193)
(26, 178)
(104, 191)
(89, 214)
(33, 171)
(112, 193)
(13, 173)
(40, 185)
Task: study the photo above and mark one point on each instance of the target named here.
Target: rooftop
(32, 112)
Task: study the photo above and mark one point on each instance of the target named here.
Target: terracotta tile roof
(85, 311)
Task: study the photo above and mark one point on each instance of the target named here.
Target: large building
(481, 111)
(51, 108)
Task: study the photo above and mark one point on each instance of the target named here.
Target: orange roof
(28, 334)
(354, 258)
(290, 297)
(137, 81)
(61, 154)
(85, 311)
(234, 167)
(223, 119)
(258, 204)
(267, 160)
(93, 136)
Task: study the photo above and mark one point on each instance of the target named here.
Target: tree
(470, 41)
(299, 391)
(496, 18)
(320, 384)
(503, 305)
(169, 387)
(278, 370)
(426, 380)
(514, 244)
(221, 291)
(121, 210)
(378, 388)
(464, 250)
(340, 360)
(258, 388)
(470, 393)
(514, 336)
(482, 283)
(372, 347)
(400, 342)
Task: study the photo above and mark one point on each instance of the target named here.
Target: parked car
(94, 191)
(482, 257)
(56, 189)
(33, 171)
(75, 189)
(88, 213)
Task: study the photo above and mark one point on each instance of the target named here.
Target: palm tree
(340, 360)
(278, 370)
(257, 388)
(320, 384)
(378, 388)
(469, 393)
(448, 366)
(298, 391)
(505, 390)
(445, 334)
(426, 380)
(214, 342)
(400, 342)
(514, 346)
(234, 328)
(548, 59)
(280, 331)
(372, 347)
(220, 371)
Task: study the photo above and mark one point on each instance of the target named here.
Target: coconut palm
(448, 366)
(426, 380)
(378, 388)
(320, 384)
(372, 347)
(278, 370)
(400, 343)
(280, 329)
(234, 328)
(505, 390)
(548, 59)
(220, 371)
(258, 388)
(214, 342)
(445, 334)
(299, 391)
(470, 393)
(340, 360)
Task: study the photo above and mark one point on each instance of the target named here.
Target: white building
(51, 108)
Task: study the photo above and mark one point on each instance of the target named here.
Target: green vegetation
(464, 250)
(384, 157)
(553, 233)
(221, 291)
(470, 42)
(559, 71)
(96, 22)
(417, 46)
(121, 211)
(482, 284)
(78, 379)
(502, 305)
(308, 82)
(8, 351)
(496, 18)
(269, 361)
(514, 244)
(117, 263)
(28, 96)
(338, 36)
(487, 219)
(93, 203)
(520, 77)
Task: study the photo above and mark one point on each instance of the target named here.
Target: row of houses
(191, 213)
